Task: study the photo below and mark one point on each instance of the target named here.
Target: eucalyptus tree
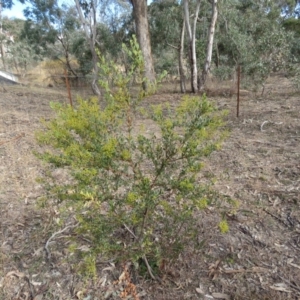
(20, 55)
(13, 26)
(4, 4)
(167, 38)
(177, 23)
(41, 19)
(68, 32)
(94, 12)
(140, 14)
(116, 28)
(210, 41)
(89, 18)
(63, 31)
(191, 33)
(251, 34)
(52, 29)
(197, 82)
(292, 25)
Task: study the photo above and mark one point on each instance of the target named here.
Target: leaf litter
(258, 165)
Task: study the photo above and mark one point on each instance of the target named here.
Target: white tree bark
(195, 70)
(192, 42)
(180, 60)
(210, 42)
(187, 18)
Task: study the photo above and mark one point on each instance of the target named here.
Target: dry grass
(51, 73)
(259, 166)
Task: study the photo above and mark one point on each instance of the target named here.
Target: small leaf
(199, 291)
(282, 287)
(220, 296)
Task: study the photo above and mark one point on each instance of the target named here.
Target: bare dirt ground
(259, 165)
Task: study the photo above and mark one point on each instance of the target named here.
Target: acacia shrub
(135, 194)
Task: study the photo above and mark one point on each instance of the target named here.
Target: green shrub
(135, 193)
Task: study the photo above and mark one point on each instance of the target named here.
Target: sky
(17, 10)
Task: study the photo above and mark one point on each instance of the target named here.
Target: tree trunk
(217, 57)
(67, 56)
(195, 79)
(3, 56)
(143, 37)
(210, 43)
(95, 77)
(180, 60)
(192, 42)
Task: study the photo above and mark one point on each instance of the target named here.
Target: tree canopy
(262, 36)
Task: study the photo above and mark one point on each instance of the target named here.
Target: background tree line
(187, 38)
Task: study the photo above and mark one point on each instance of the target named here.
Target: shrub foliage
(135, 190)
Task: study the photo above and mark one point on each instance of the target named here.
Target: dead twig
(129, 230)
(144, 256)
(277, 218)
(266, 143)
(23, 276)
(262, 125)
(255, 241)
(293, 286)
(293, 265)
(53, 236)
(150, 269)
(252, 270)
